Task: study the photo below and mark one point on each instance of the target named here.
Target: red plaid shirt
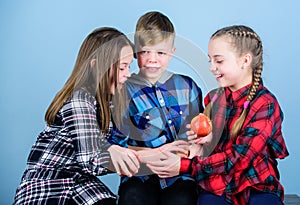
(233, 169)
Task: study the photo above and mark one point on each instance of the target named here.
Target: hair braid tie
(246, 104)
(215, 97)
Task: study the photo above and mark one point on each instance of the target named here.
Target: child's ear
(172, 52)
(247, 60)
(92, 63)
(173, 49)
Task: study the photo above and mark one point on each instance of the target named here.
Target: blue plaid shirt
(158, 113)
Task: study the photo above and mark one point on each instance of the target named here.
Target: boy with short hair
(161, 104)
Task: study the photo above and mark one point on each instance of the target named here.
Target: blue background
(39, 41)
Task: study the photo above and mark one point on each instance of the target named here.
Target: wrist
(185, 165)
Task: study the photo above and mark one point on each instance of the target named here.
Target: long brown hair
(103, 47)
(243, 40)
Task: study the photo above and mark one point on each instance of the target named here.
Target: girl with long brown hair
(72, 150)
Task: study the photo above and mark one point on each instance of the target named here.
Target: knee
(130, 191)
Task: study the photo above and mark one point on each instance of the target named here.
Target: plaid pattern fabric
(250, 162)
(67, 157)
(158, 113)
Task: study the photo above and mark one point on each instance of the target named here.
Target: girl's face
(229, 69)
(154, 60)
(126, 57)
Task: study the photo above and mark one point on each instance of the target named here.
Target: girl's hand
(125, 160)
(150, 155)
(195, 150)
(192, 137)
(204, 140)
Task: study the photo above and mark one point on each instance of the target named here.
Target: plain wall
(39, 41)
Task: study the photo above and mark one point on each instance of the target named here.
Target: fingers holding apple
(191, 135)
(204, 140)
(201, 125)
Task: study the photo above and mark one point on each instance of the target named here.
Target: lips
(152, 69)
(122, 81)
(219, 75)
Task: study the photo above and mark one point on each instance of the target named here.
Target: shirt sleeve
(185, 165)
(79, 116)
(120, 135)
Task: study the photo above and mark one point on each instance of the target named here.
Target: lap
(263, 198)
(182, 192)
(256, 198)
(205, 197)
(134, 191)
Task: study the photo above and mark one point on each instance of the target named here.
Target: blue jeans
(256, 198)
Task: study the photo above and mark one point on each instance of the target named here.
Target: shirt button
(170, 121)
(180, 112)
(147, 117)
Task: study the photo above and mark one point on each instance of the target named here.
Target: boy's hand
(150, 155)
(167, 166)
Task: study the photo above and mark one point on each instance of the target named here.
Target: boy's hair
(243, 40)
(152, 28)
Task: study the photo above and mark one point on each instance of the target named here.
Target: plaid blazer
(67, 157)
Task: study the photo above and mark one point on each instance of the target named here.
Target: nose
(212, 67)
(152, 57)
(127, 73)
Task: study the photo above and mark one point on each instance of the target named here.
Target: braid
(207, 110)
(244, 40)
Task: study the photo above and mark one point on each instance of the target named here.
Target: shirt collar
(239, 96)
(139, 79)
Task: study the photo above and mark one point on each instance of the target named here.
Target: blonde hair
(102, 47)
(243, 40)
(152, 28)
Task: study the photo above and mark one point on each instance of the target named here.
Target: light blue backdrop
(39, 41)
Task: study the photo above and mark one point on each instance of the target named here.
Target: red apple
(201, 125)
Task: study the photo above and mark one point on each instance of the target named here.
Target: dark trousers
(136, 192)
(102, 202)
(256, 198)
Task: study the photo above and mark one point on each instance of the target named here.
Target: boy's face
(153, 60)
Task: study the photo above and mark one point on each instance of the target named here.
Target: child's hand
(204, 140)
(191, 135)
(195, 150)
(193, 138)
(154, 154)
(167, 166)
(125, 160)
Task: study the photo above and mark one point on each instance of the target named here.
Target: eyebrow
(125, 63)
(163, 48)
(218, 55)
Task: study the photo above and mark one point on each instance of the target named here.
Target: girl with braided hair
(241, 167)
